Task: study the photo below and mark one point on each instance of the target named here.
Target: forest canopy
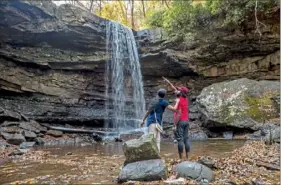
(181, 16)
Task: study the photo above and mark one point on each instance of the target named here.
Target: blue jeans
(182, 136)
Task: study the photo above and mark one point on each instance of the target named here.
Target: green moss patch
(261, 108)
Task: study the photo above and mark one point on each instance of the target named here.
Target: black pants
(182, 136)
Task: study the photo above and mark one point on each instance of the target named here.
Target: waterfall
(123, 79)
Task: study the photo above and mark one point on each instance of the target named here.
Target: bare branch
(258, 23)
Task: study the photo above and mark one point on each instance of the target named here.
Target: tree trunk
(91, 6)
(132, 14)
(143, 8)
(100, 7)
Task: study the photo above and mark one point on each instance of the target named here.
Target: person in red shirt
(181, 125)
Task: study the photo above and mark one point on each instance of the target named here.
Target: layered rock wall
(52, 60)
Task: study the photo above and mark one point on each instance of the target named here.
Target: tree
(143, 8)
(132, 14)
(91, 6)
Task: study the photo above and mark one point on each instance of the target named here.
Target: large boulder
(241, 103)
(144, 148)
(194, 170)
(148, 170)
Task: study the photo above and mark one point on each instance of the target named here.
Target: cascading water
(123, 79)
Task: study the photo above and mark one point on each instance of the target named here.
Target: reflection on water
(98, 162)
(218, 148)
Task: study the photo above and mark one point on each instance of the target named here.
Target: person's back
(157, 108)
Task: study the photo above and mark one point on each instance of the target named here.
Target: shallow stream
(98, 163)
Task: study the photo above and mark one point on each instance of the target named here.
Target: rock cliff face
(52, 60)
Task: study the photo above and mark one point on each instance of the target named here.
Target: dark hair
(161, 94)
(183, 95)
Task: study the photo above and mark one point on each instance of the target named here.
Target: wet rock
(54, 133)
(228, 135)
(144, 148)
(198, 135)
(29, 135)
(207, 162)
(194, 170)
(39, 141)
(15, 139)
(147, 170)
(223, 104)
(97, 138)
(9, 115)
(118, 140)
(26, 145)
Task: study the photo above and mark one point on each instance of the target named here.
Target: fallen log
(74, 130)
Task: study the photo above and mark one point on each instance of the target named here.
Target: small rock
(28, 126)
(29, 135)
(97, 138)
(147, 170)
(68, 153)
(204, 182)
(54, 133)
(85, 144)
(15, 139)
(3, 145)
(18, 152)
(39, 141)
(207, 162)
(178, 181)
(9, 115)
(118, 140)
(26, 145)
(194, 170)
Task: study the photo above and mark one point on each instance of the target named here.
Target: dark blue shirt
(159, 109)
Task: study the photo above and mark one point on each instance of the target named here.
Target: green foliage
(156, 19)
(184, 16)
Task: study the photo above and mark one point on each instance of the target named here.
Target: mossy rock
(241, 103)
(144, 148)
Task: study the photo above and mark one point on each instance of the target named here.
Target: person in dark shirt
(154, 114)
